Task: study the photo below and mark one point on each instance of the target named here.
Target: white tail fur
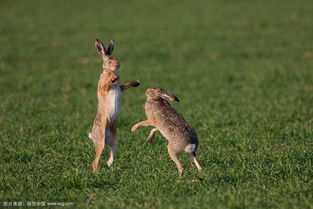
(190, 148)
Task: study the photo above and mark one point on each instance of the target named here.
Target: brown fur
(161, 115)
(103, 130)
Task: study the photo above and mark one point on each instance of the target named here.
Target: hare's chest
(114, 102)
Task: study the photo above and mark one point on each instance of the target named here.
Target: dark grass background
(242, 70)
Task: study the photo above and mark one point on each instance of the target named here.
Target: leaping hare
(180, 135)
(109, 101)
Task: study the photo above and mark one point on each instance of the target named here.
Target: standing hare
(109, 101)
(180, 135)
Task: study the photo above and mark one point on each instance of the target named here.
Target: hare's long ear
(170, 97)
(110, 47)
(100, 47)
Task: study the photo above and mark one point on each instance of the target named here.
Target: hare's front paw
(149, 139)
(134, 128)
(115, 79)
(136, 83)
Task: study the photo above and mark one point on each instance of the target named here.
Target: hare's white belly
(114, 102)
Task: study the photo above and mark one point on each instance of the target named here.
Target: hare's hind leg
(113, 153)
(98, 138)
(151, 135)
(173, 154)
(195, 160)
(112, 143)
(99, 145)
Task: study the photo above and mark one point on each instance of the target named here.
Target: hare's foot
(113, 154)
(95, 167)
(195, 160)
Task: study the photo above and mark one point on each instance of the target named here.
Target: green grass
(243, 71)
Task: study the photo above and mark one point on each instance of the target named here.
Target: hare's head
(110, 63)
(156, 93)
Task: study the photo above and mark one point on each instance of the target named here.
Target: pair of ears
(158, 92)
(169, 97)
(101, 48)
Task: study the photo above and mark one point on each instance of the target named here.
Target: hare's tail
(90, 136)
(190, 148)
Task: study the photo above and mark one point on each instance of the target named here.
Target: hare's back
(172, 125)
(162, 114)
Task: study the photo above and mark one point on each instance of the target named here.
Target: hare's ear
(100, 47)
(110, 47)
(169, 97)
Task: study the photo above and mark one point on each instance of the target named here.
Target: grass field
(243, 71)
